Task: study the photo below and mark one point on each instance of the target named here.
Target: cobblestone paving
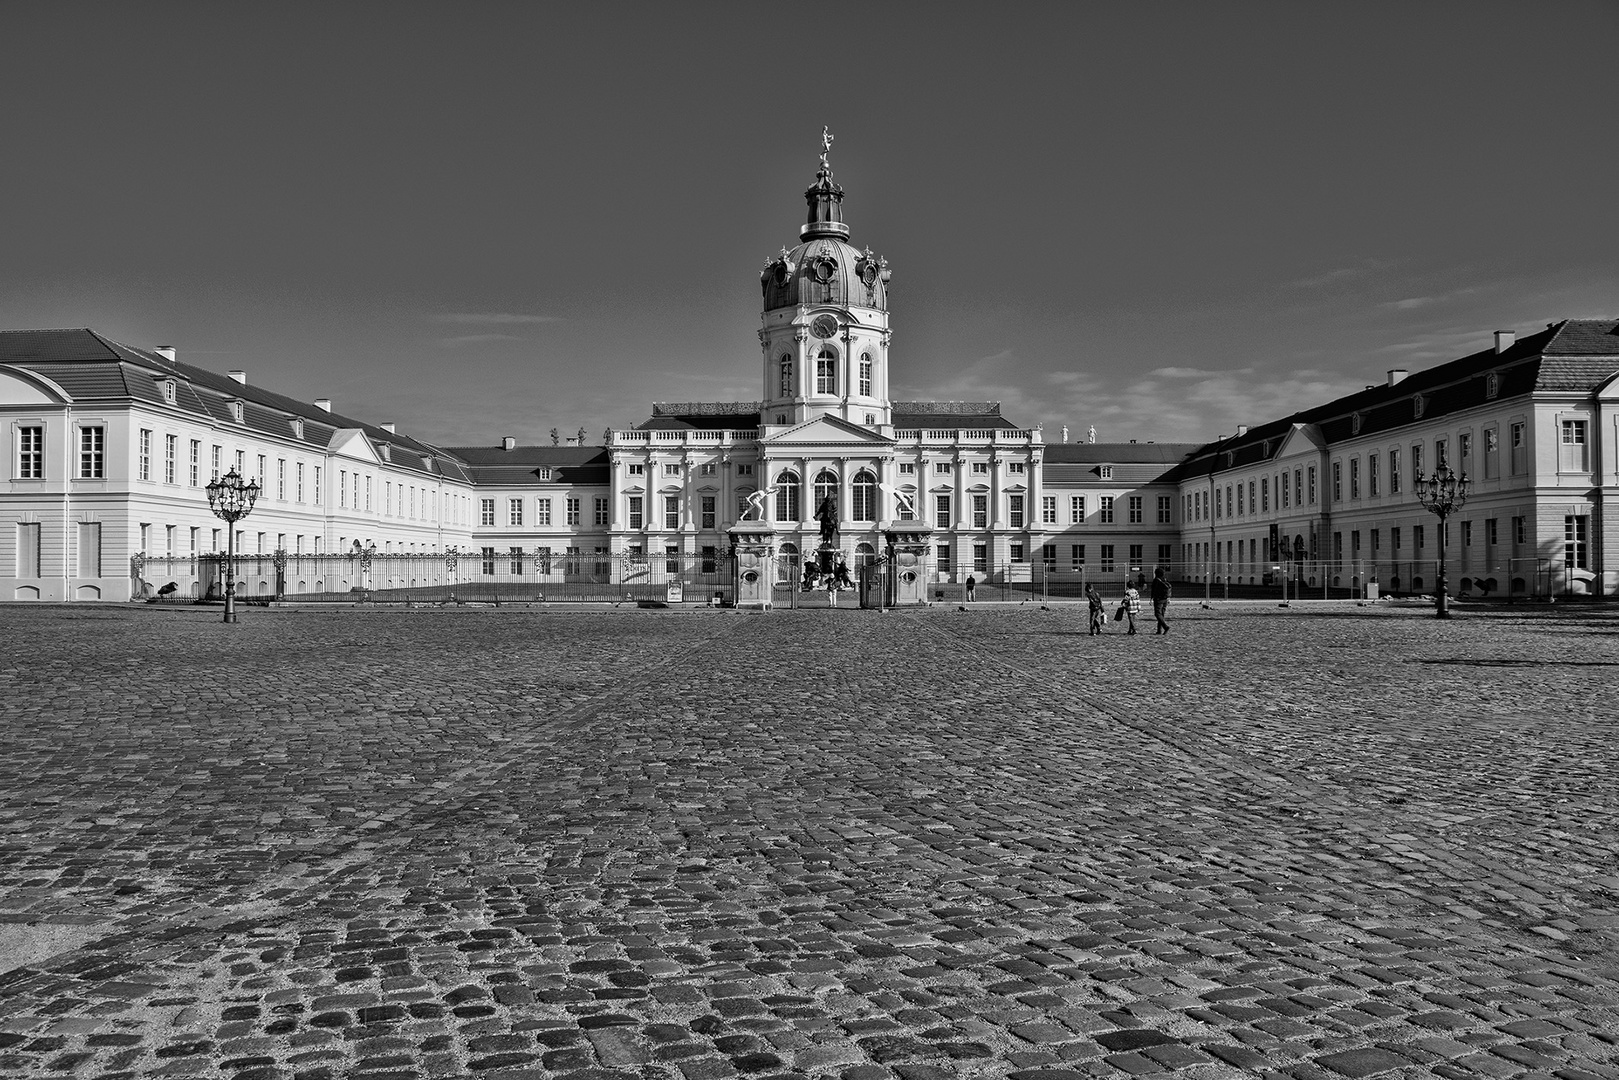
(1333, 843)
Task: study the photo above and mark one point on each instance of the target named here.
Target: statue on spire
(826, 148)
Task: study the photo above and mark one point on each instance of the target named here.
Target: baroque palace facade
(112, 446)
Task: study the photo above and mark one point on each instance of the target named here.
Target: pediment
(1303, 439)
(19, 386)
(823, 430)
(352, 442)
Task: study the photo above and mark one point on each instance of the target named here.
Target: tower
(824, 331)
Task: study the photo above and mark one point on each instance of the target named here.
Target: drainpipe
(67, 491)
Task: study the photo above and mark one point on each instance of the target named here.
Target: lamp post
(231, 500)
(1441, 494)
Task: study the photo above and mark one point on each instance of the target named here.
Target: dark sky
(488, 219)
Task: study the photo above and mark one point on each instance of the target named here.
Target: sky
(481, 220)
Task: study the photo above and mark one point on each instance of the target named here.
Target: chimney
(508, 443)
(1242, 429)
(324, 403)
(1504, 340)
(167, 353)
(1397, 376)
(389, 428)
(239, 376)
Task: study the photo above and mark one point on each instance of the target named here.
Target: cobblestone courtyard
(824, 844)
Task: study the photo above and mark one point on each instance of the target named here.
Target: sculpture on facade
(756, 503)
(827, 515)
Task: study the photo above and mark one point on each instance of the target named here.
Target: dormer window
(1105, 472)
(169, 389)
(385, 450)
(1492, 385)
(236, 411)
(297, 427)
(545, 472)
(1354, 424)
(1418, 405)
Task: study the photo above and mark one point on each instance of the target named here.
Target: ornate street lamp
(1441, 494)
(231, 500)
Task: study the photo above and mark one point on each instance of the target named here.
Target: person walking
(1132, 604)
(972, 586)
(1098, 609)
(1160, 600)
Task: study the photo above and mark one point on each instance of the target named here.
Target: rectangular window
(1441, 453)
(1164, 506)
(28, 541)
(980, 511)
(1136, 554)
(710, 559)
(1107, 509)
(1264, 494)
(1491, 536)
(298, 481)
(941, 511)
(1520, 449)
(1337, 481)
(635, 512)
(1371, 475)
(194, 475)
(145, 454)
(706, 505)
(981, 557)
(1571, 450)
(671, 558)
(514, 512)
(637, 468)
(1418, 536)
(671, 468)
(907, 468)
(941, 553)
(1164, 554)
(1576, 551)
(489, 560)
(1016, 552)
(1492, 453)
(1076, 508)
(671, 511)
(92, 454)
(516, 555)
(747, 470)
(1520, 531)
(31, 456)
(1137, 517)
(1394, 540)
(1394, 472)
(542, 559)
(708, 468)
(826, 376)
(486, 511)
(542, 512)
(343, 488)
(1048, 509)
(1014, 512)
(980, 468)
(90, 548)
(281, 479)
(601, 510)
(1467, 534)
(1464, 449)
(1354, 478)
(1017, 468)
(1107, 558)
(1048, 555)
(572, 506)
(171, 451)
(1077, 556)
(941, 468)
(865, 378)
(1298, 487)
(1416, 462)
(1311, 472)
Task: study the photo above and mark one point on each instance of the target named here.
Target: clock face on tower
(824, 326)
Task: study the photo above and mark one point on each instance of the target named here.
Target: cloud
(476, 339)
(1410, 303)
(492, 318)
(1343, 273)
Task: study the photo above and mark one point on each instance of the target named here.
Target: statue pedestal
(753, 563)
(908, 547)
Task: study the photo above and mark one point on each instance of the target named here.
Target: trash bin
(1371, 590)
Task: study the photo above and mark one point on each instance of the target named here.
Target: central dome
(825, 271)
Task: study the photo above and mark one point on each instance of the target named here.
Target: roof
(1572, 356)
(1118, 453)
(573, 465)
(92, 367)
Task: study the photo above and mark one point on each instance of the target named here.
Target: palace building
(112, 447)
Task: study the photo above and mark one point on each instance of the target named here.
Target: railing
(998, 436)
(1522, 578)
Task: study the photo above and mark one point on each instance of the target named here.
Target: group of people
(1130, 606)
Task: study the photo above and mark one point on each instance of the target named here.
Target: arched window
(787, 497)
(865, 374)
(787, 563)
(826, 484)
(865, 497)
(826, 370)
(786, 376)
(864, 555)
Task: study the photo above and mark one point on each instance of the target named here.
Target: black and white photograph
(552, 541)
